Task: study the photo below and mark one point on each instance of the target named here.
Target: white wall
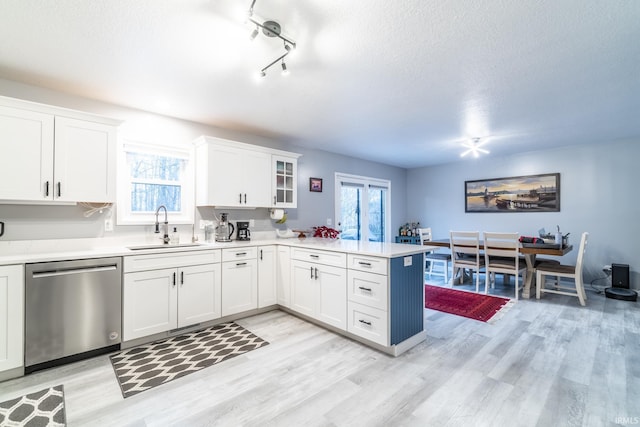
(26, 222)
(599, 194)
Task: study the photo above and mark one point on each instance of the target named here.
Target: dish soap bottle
(174, 239)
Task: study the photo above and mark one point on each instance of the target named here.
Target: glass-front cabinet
(285, 181)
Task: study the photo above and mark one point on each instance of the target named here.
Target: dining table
(530, 252)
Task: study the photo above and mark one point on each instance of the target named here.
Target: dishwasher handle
(53, 273)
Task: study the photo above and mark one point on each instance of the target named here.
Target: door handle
(364, 289)
(240, 200)
(260, 254)
(59, 189)
(245, 198)
(46, 189)
(182, 277)
(311, 272)
(174, 279)
(316, 273)
(365, 322)
(240, 264)
(366, 264)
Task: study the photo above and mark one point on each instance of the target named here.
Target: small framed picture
(315, 184)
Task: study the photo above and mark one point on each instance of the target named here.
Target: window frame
(124, 214)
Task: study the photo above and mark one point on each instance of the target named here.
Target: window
(151, 176)
(361, 207)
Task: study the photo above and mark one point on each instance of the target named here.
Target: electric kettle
(224, 230)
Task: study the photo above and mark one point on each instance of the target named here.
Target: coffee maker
(243, 232)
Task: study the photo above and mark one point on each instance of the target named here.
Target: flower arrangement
(326, 232)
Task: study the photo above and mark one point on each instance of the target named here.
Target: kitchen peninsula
(368, 291)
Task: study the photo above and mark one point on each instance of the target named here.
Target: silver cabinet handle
(366, 264)
(245, 198)
(260, 254)
(311, 272)
(365, 322)
(316, 274)
(364, 289)
(240, 253)
(59, 189)
(46, 189)
(240, 201)
(182, 277)
(314, 256)
(240, 264)
(174, 279)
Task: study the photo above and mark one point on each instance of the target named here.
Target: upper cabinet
(54, 154)
(284, 179)
(234, 174)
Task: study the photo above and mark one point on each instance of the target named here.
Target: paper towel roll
(277, 214)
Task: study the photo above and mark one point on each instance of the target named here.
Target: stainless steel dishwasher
(73, 310)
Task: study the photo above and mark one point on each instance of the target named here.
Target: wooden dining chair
(434, 257)
(559, 271)
(501, 255)
(465, 255)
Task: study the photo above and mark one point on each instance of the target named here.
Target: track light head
(285, 72)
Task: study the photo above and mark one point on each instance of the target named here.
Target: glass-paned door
(361, 208)
(285, 175)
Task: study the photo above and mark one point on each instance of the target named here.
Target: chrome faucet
(165, 239)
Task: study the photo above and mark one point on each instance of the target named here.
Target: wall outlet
(108, 224)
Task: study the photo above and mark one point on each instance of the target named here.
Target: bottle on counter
(174, 238)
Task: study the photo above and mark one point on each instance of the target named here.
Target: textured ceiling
(399, 82)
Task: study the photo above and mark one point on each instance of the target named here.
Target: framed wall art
(315, 184)
(528, 193)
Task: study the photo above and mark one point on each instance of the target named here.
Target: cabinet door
(85, 161)
(199, 294)
(11, 317)
(256, 170)
(332, 299)
(239, 286)
(267, 268)
(284, 176)
(26, 166)
(303, 288)
(149, 303)
(283, 276)
(220, 176)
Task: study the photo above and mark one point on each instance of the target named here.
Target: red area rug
(467, 304)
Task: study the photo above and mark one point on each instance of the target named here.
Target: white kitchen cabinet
(239, 280)
(284, 181)
(320, 291)
(267, 276)
(231, 176)
(56, 157)
(234, 174)
(158, 299)
(11, 317)
(283, 276)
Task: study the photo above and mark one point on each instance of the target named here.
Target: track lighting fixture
(271, 29)
(473, 147)
(254, 34)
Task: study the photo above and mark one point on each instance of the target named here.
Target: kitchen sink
(161, 246)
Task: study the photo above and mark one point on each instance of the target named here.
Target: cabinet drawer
(368, 263)
(237, 254)
(368, 289)
(336, 259)
(369, 323)
(169, 260)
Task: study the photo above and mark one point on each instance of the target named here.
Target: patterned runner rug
(39, 409)
(485, 308)
(141, 368)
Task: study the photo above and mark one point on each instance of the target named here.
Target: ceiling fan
(473, 147)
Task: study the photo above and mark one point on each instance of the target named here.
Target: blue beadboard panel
(407, 300)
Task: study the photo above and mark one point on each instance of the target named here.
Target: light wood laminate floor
(545, 363)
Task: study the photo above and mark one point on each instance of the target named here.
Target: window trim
(124, 216)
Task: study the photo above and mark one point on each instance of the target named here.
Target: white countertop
(28, 251)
